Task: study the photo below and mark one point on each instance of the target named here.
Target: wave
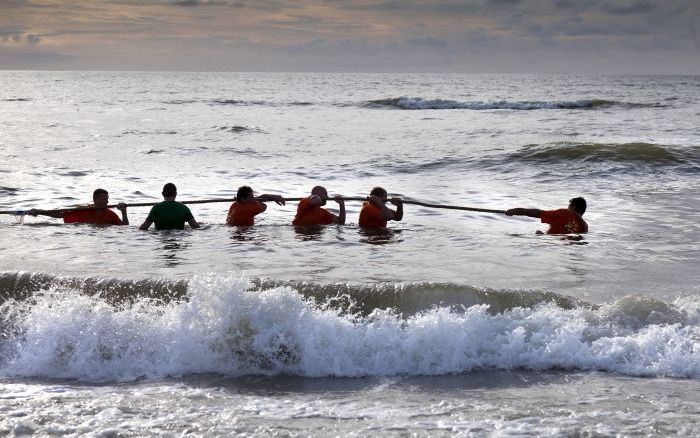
(609, 152)
(237, 129)
(233, 326)
(236, 102)
(8, 191)
(156, 132)
(417, 103)
(406, 299)
(20, 286)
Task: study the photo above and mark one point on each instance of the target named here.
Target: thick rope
(209, 201)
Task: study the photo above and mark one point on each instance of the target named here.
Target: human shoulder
(111, 217)
(549, 215)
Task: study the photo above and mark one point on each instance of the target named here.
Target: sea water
(449, 323)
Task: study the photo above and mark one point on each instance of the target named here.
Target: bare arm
(530, 212)
(144, 226)
(277, 198)
(340, 219)
(53, 214)
(398, 214)
(122, 208)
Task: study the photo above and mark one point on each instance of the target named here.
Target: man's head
(245, 193)
(380, 193)
(100, 198)
(169, 190)
(321, 192)
(578, 205)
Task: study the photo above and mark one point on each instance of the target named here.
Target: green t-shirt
(170, 215)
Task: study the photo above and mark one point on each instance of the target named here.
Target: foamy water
(230, 327)
(450, 323)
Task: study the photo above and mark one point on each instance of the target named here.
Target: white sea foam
(229, 327)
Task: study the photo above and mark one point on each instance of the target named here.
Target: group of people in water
(171, 214)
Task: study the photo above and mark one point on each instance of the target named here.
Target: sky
(460, 36)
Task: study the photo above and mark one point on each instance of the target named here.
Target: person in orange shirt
(310, 211)
(375, 213)
(562, 221)
(246, 206)
(99, 214)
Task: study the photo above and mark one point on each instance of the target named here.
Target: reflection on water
(309, 232)
(242, 234)
(379, 236)
(250, 234)
(173, 248)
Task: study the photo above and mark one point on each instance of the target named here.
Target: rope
(210, 201)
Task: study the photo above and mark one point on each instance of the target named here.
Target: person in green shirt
(169, 214)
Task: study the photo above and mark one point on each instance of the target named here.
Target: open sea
(450, 323)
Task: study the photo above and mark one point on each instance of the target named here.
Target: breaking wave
(233, 326)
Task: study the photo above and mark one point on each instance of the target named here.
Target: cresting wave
(405, 299)
(610, 152)
(417, 103)
(234, 327)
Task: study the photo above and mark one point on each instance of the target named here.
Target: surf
(233, 326)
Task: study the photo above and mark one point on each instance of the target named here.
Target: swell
(605, 152)
(236, 102)
(417, 103)
(573, 159)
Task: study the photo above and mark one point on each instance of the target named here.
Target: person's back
(310, 211)
(310, 214)
(169, 214)
(371, 216)
(243, 213)
(561, 221)
(97, 213)
(98, 217)
(246, 207)
(375, 213)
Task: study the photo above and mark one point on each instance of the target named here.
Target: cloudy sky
(473, 36)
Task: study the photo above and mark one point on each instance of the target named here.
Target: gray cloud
(9, 32)
(371, 34)
(18, 37)
(627, 7)
(428, 41)
(203, 3)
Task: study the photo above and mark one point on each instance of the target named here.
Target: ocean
(451, 322)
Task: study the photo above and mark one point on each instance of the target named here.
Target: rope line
(210, 201)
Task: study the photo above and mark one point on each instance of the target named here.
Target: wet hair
(578, 205)
(99, 192)
(244, 192)
(169, 190)
(378, 191)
